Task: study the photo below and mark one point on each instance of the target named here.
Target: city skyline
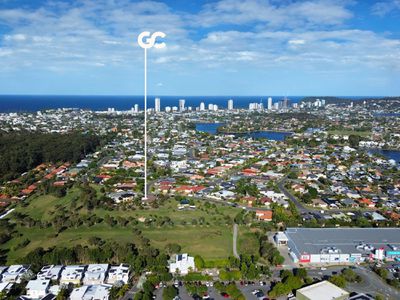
(227, 47)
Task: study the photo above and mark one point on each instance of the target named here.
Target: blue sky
(225, 47)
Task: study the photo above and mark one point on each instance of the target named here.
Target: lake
(389, 154)
(270, 135)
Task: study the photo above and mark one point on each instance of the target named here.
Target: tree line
(21, 152)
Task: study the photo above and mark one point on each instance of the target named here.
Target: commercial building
(323, 290)
(181, 105)
(269, 103)
(202, 106)
(157, 105)
(230, 104)
(340, 245)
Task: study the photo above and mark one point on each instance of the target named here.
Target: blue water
(387, 115)
(208, 127)
(270, 135)
(34, 103)
(389, 154)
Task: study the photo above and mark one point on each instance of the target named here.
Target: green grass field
(350, 132)
(247, 241)
(212, 240)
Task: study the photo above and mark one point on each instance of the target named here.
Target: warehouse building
(323, 290)
(340, 245)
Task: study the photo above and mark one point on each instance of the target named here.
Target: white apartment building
(37, 289)
(118, 274)
(95, 274)
(91, 292)
(72, 274)
(51, 272)
(183, 263)
(14, 273)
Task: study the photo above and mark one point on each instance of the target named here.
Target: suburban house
(264, 215)
(14, 273)
(51, 272)
(72, 274)
(118, 274)
(37, 289)
(95, 274)
(98, 292)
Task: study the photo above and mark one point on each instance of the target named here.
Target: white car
(255, 292)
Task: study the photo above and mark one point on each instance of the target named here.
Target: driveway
(235, 231)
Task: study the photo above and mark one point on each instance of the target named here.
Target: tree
(63, 294)
(169, 293)
(172, 248)
(354, 140)
(300, 272)
(199, 262)
(338, 280)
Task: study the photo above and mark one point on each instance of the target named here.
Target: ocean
(21, 103)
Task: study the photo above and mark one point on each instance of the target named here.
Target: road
(136, 287)
(7, 213)
(371, 283)
(301, 209)
(235, 231)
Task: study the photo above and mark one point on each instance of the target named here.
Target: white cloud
(281, 13)
(296, 42)
(383, 8)
(88, 33)
(15, 37)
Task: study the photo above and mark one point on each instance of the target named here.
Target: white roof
(323, 290)
(281, 236)
(5, 286)
(89, 292)
(38, 285)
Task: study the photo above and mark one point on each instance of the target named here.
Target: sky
(221, 47)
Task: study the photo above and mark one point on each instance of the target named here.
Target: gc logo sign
(147, 40)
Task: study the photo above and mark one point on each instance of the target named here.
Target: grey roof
(313, 240)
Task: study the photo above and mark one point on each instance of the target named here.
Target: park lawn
(46, 238)
(40, 207)
(213, 242)
(247, 241)
(169, 209)
(350, 132)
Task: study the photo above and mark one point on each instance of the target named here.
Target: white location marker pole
(147, 44)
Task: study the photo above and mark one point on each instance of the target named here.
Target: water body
(31, 103)
(270, 135)
(210, 128)
(387, 115)
(389, 154)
